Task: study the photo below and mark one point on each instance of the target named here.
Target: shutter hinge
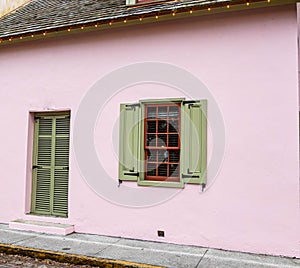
(133, 106)
(188, 176)
(132, 174)
(191, 103)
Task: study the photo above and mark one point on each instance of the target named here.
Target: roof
(45, 16)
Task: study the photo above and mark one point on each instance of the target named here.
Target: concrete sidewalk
(119, 252)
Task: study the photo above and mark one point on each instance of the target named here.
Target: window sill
(161, 184)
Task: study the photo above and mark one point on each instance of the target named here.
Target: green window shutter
(129, 142)
(61, 169)
(41, 202)
(194, 142)
(50, 165)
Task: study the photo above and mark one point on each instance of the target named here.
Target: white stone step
(42, 227)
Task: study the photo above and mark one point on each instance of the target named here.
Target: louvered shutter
(41, 202)
(193, 141)
(50, 165)
(61, 168)
(129, 142)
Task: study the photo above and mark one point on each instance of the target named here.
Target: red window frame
(162, 142)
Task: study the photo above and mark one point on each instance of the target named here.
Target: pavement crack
(197, 266)
(108, 246)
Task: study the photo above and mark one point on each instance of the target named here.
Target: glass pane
(151, 155)
(162, 140)
(162, 156)
(151, 140)
(174, 156)
(173, 125)
(173, 111)
(151, 126)
(151, 112)
(162, 111)
(173, 140)
(163, 170)
(151, 170)
(173, 170)
(162, 126)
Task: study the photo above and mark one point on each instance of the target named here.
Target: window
(135, 2)
(50, 170)
(163, 142)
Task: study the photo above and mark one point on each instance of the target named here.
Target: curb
(71, 258)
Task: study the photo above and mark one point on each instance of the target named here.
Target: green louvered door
(51, 165)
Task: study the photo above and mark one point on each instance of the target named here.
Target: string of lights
(125, 20)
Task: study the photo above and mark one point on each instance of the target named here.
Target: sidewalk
(119, 252)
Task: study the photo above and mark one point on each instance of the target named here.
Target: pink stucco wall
(247, 60)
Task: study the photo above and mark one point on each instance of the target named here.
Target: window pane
(151, 140)
(173, 125)
(162, 156)
(151, 112)
(174, 156)
(162, 111)
(173, 140)
(173, 111)
(162, 140)
(162, 126)
(151, 126)
(151, 155)
(173, 170)
(151, 169)
(163, 170)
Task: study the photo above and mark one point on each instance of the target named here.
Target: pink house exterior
(245, 63)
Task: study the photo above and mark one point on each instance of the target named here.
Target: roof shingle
(47, 15)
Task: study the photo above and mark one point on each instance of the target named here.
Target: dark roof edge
(177, 10)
